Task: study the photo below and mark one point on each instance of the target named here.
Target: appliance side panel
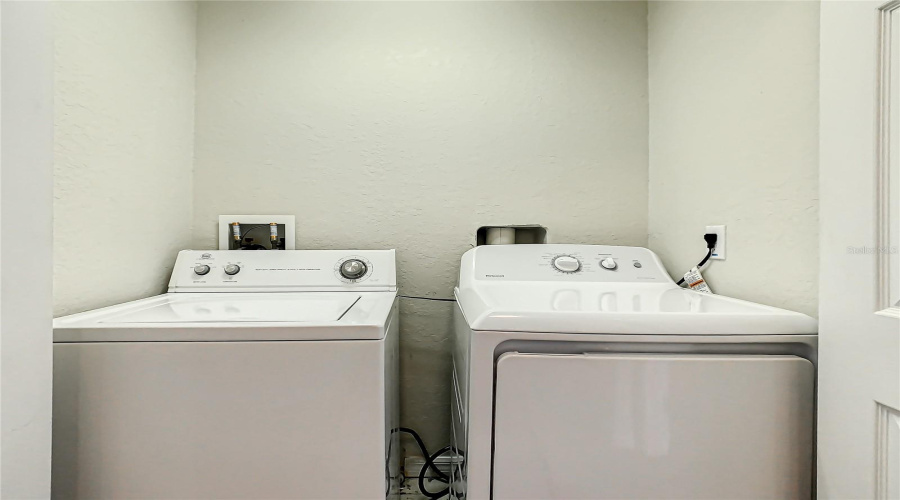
(392, 450)
(218, 420)
(459, 402)
(480, 411)
(637, 426)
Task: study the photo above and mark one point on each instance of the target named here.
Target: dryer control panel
(290, 270)
(568, 263)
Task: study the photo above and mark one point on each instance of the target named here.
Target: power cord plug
(711, 240)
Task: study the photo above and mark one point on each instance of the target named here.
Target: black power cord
(711, 239)
(429, 464)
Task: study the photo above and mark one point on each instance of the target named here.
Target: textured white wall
(26, 331)
(124, 109)
(734, 140)
(407, 125)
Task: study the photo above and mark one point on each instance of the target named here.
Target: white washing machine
(259, 375)
(585, 372)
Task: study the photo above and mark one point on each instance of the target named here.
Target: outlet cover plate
(719, 250)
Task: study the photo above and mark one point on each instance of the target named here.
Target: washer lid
(234, 317)
(242, 308)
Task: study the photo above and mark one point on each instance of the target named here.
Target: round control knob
(608, 263)
(353, 269)
(567, 264)
(201, 269)
(232, 269)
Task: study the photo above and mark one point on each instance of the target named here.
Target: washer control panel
(585, 263)
(294, 270)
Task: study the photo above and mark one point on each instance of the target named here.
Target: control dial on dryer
(353, 269)
(610, 263)
(566, 264)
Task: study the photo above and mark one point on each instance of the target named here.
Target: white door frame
(26, 225)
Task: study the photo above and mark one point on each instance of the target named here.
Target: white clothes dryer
(585, 372)
(258, 375)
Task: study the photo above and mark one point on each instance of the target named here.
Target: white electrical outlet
(719, 250)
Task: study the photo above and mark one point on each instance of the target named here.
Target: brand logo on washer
(206, 256)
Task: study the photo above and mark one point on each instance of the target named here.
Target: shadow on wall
(426, 334)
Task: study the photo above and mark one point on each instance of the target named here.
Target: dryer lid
(517, 288)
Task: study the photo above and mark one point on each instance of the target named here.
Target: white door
(859, 332)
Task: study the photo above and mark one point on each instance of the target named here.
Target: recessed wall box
(524, 234)
(257, 232)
